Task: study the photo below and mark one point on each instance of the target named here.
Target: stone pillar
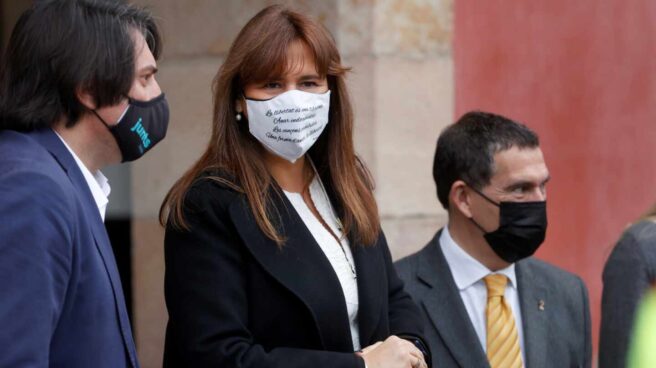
(401, 86)
(410, 96)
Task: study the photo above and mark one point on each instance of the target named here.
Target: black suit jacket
(235, 299)
(554, 305)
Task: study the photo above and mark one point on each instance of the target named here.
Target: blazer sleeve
(206, 299)
(626, 278)
(35, 265)
(404, 314)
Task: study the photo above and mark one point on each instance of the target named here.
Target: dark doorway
(120, 234)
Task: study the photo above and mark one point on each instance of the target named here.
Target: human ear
(86, 98)
(460, 199)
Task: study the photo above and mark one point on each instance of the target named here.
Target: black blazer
(237, 300)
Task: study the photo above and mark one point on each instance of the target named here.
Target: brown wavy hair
(259, 53)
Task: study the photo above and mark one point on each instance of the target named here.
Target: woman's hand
(393, 353)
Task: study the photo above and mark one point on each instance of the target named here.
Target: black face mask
(142, 126)
(522, 228)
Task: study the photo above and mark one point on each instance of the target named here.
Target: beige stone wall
(402, 89)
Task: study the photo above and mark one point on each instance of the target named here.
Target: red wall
(583, 75)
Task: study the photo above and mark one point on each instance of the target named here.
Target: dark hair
(465, 150)
(60, 46)
(260, 52)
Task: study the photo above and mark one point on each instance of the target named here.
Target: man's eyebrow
(518, 184)
(522, 183)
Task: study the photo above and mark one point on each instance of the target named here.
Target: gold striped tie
(502, 339)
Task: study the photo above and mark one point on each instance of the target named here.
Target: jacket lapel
(301, 266)
(445, 308)
(369, 269)
(50, 141)
(535, 321)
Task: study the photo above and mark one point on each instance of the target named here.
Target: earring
(238, 116)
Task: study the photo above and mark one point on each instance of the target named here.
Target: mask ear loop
(478, 225)
(483, 195)
(487, 199)
(101, 119)
(119, 118)
(124, 111)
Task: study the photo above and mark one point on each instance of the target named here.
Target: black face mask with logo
(141, 127)
(522, 229)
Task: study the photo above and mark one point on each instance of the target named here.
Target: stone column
(403, 83)
(402, 89)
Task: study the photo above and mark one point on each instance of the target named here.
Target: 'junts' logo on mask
(141, 132)
(152, 120)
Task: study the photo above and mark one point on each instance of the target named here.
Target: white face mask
(290, 123)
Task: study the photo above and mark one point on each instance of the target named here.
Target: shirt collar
(466, 270)
(97, 182)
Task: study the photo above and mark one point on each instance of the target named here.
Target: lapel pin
(541, 304)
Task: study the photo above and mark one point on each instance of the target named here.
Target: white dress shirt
(340, 258)
(468, 273)
(97, 182)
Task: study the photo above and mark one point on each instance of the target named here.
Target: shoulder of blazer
(34, 170)
(206, 207)
(410, 266)
(210, 192)
(533, 272)
(545, 270)
(637, 243)
(407, 266)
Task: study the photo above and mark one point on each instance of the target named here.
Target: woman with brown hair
(629, 273)
(274, 252)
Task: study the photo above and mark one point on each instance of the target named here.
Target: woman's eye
(309, 84)
(272, 85)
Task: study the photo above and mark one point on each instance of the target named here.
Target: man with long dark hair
(77, 93)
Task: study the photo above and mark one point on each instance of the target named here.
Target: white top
(97, 182)
(468, 273)
(331, 248)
